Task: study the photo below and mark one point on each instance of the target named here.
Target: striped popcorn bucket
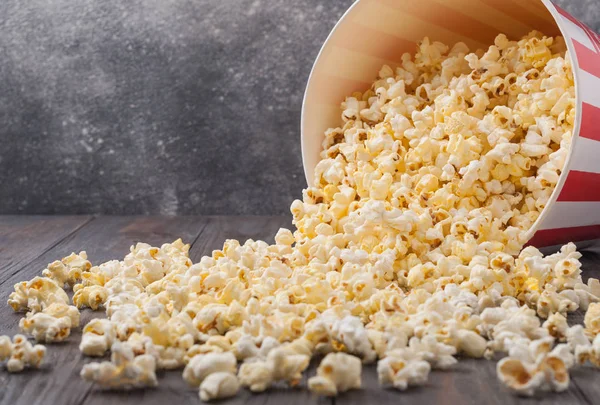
(377, 32)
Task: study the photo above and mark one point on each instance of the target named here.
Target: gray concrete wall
(159, 106)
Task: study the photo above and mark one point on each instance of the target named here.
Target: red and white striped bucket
(377, 32)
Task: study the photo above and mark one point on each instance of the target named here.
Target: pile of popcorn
(409, 251)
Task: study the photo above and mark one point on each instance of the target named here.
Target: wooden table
(28, 243)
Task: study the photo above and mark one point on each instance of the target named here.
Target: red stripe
(581, 186)
(564, 13)
(588, 59)
(593, 37)
(549, 237)
(596, 38)
(590, 122)
(590, 33)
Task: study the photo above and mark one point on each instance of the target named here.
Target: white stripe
(572, 214)
(589, 88)
(584, 157)
(577, 33)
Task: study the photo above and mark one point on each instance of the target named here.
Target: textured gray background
(159, 106)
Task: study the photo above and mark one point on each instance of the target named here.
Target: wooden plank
(103, 238)
(23, 238)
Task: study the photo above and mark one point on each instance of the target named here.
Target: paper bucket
(377, 32)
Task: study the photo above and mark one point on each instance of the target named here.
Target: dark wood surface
(28, 243)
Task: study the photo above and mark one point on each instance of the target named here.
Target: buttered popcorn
(19, 353)
(203, 365)
(53, 324)
(532, 366)
(219, 385)
(125, 370)
(68, 271)
(409, 249)
(37, 294)
(338, 372)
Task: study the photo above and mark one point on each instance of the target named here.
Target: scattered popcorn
(46, 328)
(203, 365)
(576, 337)
(97, 337)
(281, 364)
(438, 354)
(219, 385)
(589, 352)
(53, 324)
(531, 366)
(257, 376)
(557, 326)
(36, 294)
(286, 365)
(351, 332)
(68, 270)
(124, 370)
(402, 368)
(470, 343)
(592, 319)
(90, 297)
(338, 372)
(59, 310)
(19, 353)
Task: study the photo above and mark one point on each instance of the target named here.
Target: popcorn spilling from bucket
(409, 250)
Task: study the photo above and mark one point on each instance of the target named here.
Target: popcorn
(338, 372)
(470, 343)
(59, 310)
(403, 368)
(589, 352)
(351, 332)
(46, 328)
(124, 370)
(557, 326)
(257, 376)
(219, 385)
(97, 337)
(90, 297)
(576, 337)
(36, 294)
(531, 366)
(203, 365)
(438, 354)
(592, 319)
(286, 365)
(245, 348)
(68, 270)
(282, 364)
(170, 358)
(19, 353)
(99, 275)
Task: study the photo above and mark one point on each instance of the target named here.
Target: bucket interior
(374, 33)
